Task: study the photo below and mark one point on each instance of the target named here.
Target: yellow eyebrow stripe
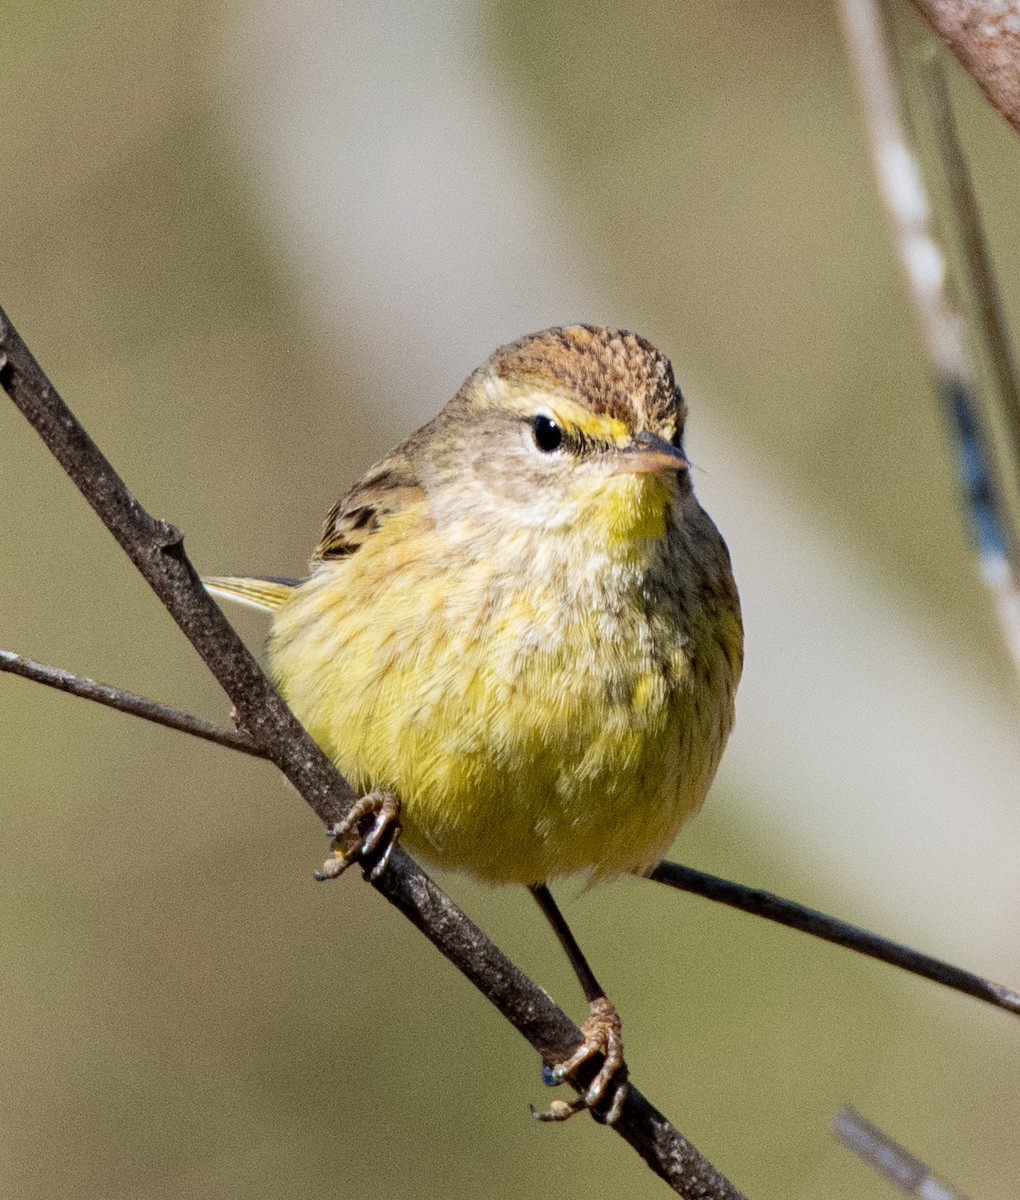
(530, 399)
(598, 426)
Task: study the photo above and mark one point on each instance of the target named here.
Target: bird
(520, 639)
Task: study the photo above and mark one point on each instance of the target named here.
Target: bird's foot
(374, 850)
(608, 1090)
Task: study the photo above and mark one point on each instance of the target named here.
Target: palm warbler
(520, 637)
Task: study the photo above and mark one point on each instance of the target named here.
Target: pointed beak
(649, 452)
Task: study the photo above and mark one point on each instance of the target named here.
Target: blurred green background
(185, 1013)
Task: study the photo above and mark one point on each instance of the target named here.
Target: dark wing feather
(387, 488)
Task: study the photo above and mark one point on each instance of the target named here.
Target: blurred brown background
(254, 244)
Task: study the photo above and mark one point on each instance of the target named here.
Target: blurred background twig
(926, 268)
(905, 1172)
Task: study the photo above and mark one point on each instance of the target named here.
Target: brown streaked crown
(617, 373)
(611, 373)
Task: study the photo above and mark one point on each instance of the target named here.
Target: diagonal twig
(127, 702)
(686, 879)
(830, 929)
(157, 550)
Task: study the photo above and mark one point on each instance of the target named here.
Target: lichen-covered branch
(984, 36)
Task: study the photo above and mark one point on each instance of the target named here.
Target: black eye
(548, 435)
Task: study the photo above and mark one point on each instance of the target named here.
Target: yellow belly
(532, 723)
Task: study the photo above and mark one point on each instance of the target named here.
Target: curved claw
(374, 851)
(602, 1035)
(559, 1110)
(332, 867)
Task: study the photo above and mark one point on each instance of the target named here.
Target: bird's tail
(267, 594)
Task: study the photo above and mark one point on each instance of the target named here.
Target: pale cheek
(550, 512)
(524, 488)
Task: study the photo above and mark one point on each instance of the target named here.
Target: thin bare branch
(736, 895)
(829, 929)
(905, 1172)
(127, 702)
(984, 35)
(157, 550)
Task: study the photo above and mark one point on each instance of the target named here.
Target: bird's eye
(548, 435)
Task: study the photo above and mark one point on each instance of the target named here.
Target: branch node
(170, 538)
